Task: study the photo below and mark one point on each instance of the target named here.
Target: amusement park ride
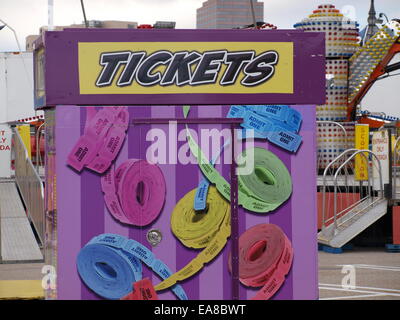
(349, 203)
(370, 64)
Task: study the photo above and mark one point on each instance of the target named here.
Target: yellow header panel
(185, 67)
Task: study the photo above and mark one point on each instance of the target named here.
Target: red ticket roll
(265, 258)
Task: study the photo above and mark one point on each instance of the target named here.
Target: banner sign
(25, 133)
(380, 146)
(185, 67)
(111, 67)
(362, 143)
(5, 151)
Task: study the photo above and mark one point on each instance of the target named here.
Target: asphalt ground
(359, 274)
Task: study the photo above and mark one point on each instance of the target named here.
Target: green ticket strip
(263, 190)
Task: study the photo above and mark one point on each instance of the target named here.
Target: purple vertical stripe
(165, 251)
(92, 208)
(68, 204)
(304, 218)
(283, 218)
(137, 146)
(184, 184)
(212, 272)
(226, 277)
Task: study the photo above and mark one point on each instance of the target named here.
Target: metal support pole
(390, 154)
(253, 14)
(390, 127)
(50, 14)
(20, 55)
(234, 221)
(394, 164)
(84, 14)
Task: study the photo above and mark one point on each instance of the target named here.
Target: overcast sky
(27, 16)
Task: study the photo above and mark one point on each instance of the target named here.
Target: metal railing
(30, 186)
(321, 124)
(343, 181)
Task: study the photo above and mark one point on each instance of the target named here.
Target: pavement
(21, 271)
(21, 281)
(359, 274)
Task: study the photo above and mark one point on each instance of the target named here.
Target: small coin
(154, 237)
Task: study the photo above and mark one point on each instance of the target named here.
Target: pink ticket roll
(135, 192)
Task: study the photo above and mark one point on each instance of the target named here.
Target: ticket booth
(181, 164)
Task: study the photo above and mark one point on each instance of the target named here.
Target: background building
(228, 14)
(103, 25)
(92, 24)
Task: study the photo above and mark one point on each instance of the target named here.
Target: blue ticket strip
(200, 198)
(279, 124)
(109, 264)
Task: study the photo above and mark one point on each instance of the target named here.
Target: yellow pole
(25, 133)
(362, 143)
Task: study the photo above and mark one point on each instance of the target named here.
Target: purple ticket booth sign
(183, 157)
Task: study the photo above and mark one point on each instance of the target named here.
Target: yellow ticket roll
(362, 143)
(25, 133)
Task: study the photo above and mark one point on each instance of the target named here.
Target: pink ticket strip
(265, 258)
(135, 192)
(103, 137)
